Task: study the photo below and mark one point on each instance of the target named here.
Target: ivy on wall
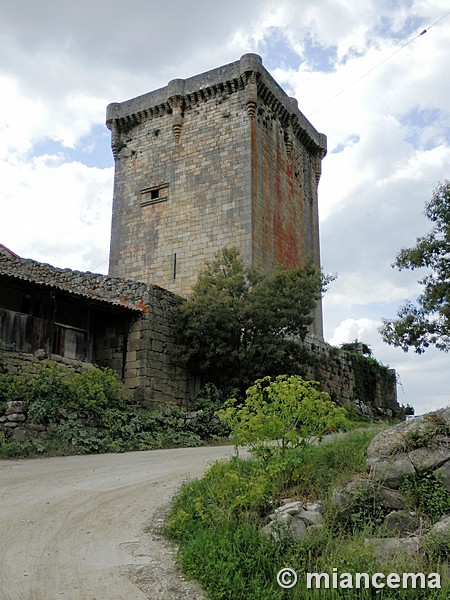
(368, 372)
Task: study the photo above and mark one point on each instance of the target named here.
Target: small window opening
(153, 195)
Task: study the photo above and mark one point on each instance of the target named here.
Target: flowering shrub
(286, 412)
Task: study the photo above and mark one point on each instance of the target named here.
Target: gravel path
(73, 528)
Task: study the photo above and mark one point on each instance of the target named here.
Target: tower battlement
(226, 79)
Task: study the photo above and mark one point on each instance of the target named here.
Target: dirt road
(72, 528)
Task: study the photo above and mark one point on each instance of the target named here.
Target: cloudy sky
(361, 72)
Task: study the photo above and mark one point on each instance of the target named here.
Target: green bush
(427, 495)
(279, 418)
(44, 391)
(90, 412)
(47, 393)
(287, 409)
(98, 392)
(52, 391)
(230, 489)
(33, 447)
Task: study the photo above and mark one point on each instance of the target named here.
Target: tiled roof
(6, 251)
(122, 293)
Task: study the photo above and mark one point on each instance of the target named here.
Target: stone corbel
(318, 167)
(289, 139)
(252, 95)
(116, 142)
(250, 66)
(177, 116)
(289, 134)
(175, 100)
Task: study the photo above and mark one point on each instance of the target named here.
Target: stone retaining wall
(16, 362)
(335, 371)
(13, 421)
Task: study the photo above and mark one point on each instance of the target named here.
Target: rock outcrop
(417, 447)
(412, 447)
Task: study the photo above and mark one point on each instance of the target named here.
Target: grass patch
(326, 465)
(216, 522)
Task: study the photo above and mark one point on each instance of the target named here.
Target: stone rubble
(294, 519)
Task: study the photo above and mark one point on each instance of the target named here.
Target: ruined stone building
(221, 159)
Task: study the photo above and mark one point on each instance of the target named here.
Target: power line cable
(100, 264)
(380, 63)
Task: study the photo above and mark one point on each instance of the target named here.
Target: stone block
(391, 472)
(402, 522)
(390, 499)
(424, 459)
(133, 382)
(134, 345)
(19, 435)
(15, 406)
(158, 346)
(443, 474)
(18, 417)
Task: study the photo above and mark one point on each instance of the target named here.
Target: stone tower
(221, 159)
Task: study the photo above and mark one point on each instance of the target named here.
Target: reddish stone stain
(284, 217)
(278, 225)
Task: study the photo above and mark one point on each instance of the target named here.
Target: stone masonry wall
(154, 370)
(285, 204)
(337, 375)
(16, 362)
(206, 204)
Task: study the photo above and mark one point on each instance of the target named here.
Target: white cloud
(354, 329)
(55, 211)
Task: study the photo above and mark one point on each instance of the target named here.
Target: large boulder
(411, 447)
(389, 549)
(391, 472)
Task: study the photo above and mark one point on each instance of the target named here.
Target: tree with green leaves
(427, 322)
(242, 323)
